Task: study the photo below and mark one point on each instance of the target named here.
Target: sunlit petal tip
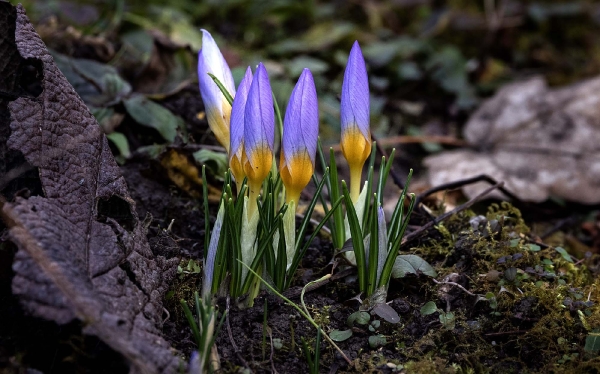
(218, 110)
(355, 94)
(259, 127)
(216, 62)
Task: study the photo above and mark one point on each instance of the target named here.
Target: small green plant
(447, 319)
(313, 360)
(204, 331)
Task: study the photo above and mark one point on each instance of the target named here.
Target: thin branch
(455, 284)
(464, 182)
(415, 234)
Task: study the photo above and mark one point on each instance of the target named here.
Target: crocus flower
(259, 132)
(356, 135)
(237, 155)
(300, 133)
(218, 110)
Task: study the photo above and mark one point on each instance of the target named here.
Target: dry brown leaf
(542, 142)
(83, 252)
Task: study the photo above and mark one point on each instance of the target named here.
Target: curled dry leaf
(83, 253)
(542, 142)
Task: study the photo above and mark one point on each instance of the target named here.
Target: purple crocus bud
(300, 135)
(259, 131)
(356, 134)
(237, 155)
(218, 110)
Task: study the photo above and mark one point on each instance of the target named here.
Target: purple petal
(210, 60)
(355, 93)
(237, 113)
(259, 117)
(301, 123)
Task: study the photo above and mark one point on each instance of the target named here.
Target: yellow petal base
(296, 175)
(356, 149)
(218, 121)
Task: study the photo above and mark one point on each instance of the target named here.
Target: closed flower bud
(300, 135)
(259, 131)
(218, 110)
(356, 134)
(237, 156)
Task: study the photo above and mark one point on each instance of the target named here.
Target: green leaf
(409, 71)
(97, 84)
(277, 343)
(592, 343)
(316, 66)
(362, 318)
(340, 336)
(150, 114)
(411, 264)
(428, 308)
(492, 299)
(216, 161)
(376, 341)
(564, 254)
(448, 320)
(533, 247)
(120, 141)
(318, 38)
(151, 151)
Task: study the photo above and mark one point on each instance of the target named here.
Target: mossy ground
(524, 308)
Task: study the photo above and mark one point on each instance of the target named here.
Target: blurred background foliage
(430, 62)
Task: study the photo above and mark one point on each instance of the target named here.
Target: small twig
(533, 241)
(273, 370)
(415, 234)
(507, 332)
(294, 293)
(168, 315)
(211, 147)
(455, 284)
(316, 223)
(409, 139)
(558, 226)
(461, 183)
(230, 333)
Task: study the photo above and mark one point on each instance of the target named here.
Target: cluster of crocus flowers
(218, 109)
(246, 129)
(354, 112)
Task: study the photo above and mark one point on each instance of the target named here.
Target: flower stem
(253, 196)
(355, 177)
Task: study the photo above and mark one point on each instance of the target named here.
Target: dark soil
(520, 308)
(520, 333)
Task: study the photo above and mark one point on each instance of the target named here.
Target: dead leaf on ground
(184, 173)
(83, 253)
(542, 142)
